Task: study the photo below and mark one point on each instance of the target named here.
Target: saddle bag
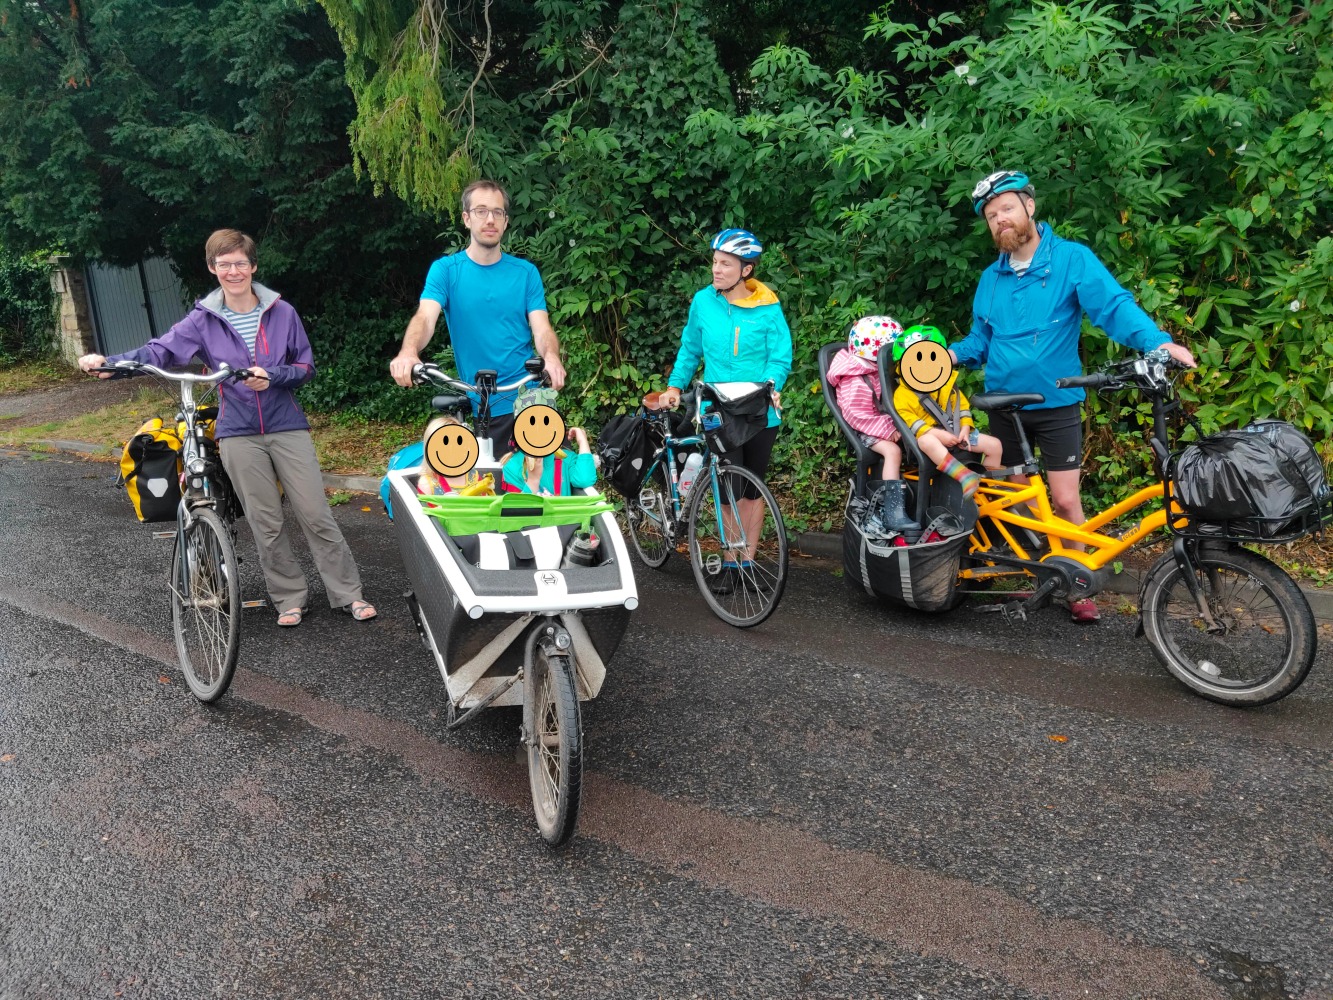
(738, 413)
(150, 471)
(1256, 480)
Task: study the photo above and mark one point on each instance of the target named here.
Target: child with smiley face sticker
(449, 455)
(540, 465)
(926, 392)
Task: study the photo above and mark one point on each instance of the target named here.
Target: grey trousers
(255, 463)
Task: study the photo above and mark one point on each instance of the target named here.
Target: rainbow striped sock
(955, 469)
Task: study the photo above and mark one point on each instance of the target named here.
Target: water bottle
(581, 551)
(689, 473)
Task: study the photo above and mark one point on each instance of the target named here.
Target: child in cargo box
(854, 375)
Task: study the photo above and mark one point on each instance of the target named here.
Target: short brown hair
(483, 185)
(228, 241)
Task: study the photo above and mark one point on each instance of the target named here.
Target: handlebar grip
(113, 372)
(1094, 381)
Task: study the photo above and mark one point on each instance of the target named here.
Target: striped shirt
(246, 324)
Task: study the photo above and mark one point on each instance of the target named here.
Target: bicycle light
(197, 467)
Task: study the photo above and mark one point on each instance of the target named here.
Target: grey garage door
(132, 305)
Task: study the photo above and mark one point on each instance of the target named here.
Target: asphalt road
(849, 801)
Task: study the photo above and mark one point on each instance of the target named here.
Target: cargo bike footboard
(521, 601)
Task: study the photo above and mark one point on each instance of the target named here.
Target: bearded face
(1010, 221)
(1012, 238)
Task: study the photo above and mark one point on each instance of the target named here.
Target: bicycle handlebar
(1094, 381)
(127, 369)
(428, 373)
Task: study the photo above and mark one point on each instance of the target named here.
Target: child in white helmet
(854, 375)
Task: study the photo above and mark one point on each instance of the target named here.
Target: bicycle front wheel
(738, 546)
(1263, 641)
(555, 745)
(649, 518)
(206, 605)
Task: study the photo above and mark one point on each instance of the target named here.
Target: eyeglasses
(488, 213)
(224, 266)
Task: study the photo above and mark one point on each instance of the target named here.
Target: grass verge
(24, 376)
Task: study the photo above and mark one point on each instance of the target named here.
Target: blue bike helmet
(998, 183)
(740, 243)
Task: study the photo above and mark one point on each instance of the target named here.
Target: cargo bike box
(521, 601)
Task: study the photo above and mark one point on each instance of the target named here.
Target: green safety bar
(511, 511)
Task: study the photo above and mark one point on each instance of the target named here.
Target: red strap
(555, 476)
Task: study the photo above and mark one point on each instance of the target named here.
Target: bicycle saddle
(1006, 400)
(446, 402)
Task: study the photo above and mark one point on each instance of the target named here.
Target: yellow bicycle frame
(1003, 505)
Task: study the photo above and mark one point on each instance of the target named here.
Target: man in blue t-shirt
(494, 307)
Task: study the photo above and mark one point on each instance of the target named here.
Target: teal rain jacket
(745, 341)
(1025, 327)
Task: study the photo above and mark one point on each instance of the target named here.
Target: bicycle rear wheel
(649, 518)
(206, 605)
(740, 564)
(555, 744)
(1265, 641)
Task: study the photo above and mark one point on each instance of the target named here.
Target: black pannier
(738, 413)
(625, 450)
(1257, 480)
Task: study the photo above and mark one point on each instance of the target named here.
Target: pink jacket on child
(856, 386)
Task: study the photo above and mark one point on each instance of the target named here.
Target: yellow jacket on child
(918, 419)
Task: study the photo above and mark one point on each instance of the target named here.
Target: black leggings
(754, 455)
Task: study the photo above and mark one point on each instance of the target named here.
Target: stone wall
(75, 325)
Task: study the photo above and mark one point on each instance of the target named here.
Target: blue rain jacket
(1025, 327)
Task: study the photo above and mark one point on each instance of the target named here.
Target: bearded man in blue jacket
(1026, 317)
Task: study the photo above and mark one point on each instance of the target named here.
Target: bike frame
(1001, 504)
(668, 451)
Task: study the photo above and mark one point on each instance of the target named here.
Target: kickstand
(1017, 611)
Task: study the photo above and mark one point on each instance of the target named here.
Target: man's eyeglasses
(488, 213)
(224, 266)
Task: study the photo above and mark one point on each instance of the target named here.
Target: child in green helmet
(935, 412)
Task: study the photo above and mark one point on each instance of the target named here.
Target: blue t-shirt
(486, 310)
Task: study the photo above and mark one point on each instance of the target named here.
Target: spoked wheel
(649, 517)
(738, 545)
(206, 606)
(555, 743)
(1264, 640)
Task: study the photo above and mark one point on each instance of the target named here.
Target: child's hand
(577, 435)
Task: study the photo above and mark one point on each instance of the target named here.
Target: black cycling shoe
(724, 581)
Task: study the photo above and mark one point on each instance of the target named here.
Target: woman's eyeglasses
(224, 266)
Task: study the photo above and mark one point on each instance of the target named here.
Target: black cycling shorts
(755, 455)
(1057, 433)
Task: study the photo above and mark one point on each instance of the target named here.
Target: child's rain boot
(893, 510)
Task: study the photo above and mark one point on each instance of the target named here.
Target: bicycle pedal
(260, 603)
(164, 534)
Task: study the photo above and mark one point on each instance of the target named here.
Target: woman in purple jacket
(262, 434)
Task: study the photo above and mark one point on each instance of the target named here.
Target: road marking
(770, 862)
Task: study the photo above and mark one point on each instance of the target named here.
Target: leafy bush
(27, 306)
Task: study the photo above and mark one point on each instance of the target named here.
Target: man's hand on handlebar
(1180, 353)
(401, 368)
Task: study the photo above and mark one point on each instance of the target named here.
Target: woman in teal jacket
(737, 329)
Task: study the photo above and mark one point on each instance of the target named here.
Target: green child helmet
(915, 335)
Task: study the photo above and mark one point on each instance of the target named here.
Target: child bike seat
(1006, 400)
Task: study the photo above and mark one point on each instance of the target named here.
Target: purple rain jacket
(281, 349)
